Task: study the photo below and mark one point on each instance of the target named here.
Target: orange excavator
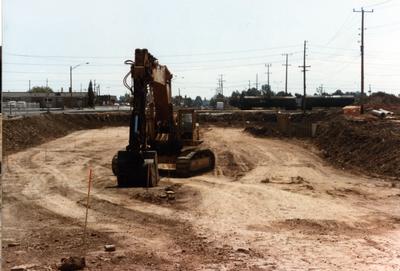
(159, 138)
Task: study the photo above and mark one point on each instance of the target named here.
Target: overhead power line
(159, 56)
(233, 52)
(342, 27)
(61, 65)
(379, 3)
(64, 56)
(384, 25)
(169, 63)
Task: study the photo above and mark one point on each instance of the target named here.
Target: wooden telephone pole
(362, 11)
(304, 70)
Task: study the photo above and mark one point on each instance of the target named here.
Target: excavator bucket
(136, 169)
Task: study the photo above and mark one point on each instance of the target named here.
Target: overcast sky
(199, 40)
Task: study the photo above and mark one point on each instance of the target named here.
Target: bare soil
(269, 205)
(24, 132)
(383, 100)
(370, 145)
(365, 144)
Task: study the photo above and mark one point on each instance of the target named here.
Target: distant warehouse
(57, 99)
(54, 99)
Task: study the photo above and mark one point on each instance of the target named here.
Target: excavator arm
(151, 99)
(152, 110)
(153, 131)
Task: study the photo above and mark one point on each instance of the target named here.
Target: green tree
(266, 90)
(235, 94)
(213, 102)
(253, 92)
(187, 101)
(90, 95)
(281, 94)
(338, 92)
(198, 102)
(41, 89)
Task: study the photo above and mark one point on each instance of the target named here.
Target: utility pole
(362, 56)
(70, 80)
(221, 84)
(256, 81)
(268, 73)
(29, 85)
(286, 74)
(249, 84)
(47, 82)
(304, 67)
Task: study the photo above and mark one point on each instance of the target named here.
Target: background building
(53, 100)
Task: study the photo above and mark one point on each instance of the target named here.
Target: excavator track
(195, 162)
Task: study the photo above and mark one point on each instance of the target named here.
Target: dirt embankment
(372, 146)
(383, 100)
(25, 132)
(233, 118)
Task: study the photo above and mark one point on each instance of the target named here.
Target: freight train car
(291, 103)
(250, 102)
(328, 101)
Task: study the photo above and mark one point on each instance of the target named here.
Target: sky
(199, 41)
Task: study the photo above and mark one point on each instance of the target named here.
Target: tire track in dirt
(269, 205)
(56, 182)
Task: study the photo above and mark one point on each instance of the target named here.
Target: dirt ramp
(25, 132)
(234, 158)
(368, 144)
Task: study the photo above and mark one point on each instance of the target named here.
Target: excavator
(160, 139)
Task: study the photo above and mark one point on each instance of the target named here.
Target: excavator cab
(187, 126)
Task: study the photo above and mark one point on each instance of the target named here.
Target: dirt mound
(25, 132)
(383, 100)
(233, 164)
(372, 146)
(226, 118)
